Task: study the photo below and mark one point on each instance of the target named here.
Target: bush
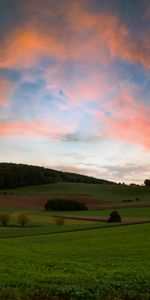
(59, 220)
(62, 204)
(137, 199)
(114, 217)
(5, 219)
(23, 220)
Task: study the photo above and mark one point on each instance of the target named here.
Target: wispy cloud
(51, 130)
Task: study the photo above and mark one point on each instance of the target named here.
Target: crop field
(94, 264)
(80, 259)
(94, 195)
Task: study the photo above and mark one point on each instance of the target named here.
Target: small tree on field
(23, 220)
(5, 219)
(114, 217)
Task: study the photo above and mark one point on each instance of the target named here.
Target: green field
(43, 224)
(114, 193)
(108, 263)
(80, 259)
(132, 212)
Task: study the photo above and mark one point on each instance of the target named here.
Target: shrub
(5, 219)
(62, 204)
(23, 220)
(59, 220)
(114, 217)
(137, 199)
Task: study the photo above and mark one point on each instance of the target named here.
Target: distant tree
(147, 182)
(114, 217)
(23, 219)
(5, 219)
(63, 204)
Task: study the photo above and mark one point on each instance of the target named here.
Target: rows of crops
(93, 264)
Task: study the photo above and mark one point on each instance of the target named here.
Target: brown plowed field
(38, 202)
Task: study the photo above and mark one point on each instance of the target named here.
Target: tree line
(19, 175)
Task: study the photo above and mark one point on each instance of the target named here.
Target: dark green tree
(147, 182)
(114, 217)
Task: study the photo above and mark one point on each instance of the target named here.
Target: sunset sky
(75, 86)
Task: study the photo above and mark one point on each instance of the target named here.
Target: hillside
(19, 175)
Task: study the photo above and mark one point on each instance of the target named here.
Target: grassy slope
(114, 193)
(79, 263)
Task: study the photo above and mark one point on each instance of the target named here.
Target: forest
(19, 175)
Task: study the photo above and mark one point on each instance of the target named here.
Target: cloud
(79, 138)
(125, 118)
(127, 173)
(6, 90)
(85, 170)
(130, 172)
(69, 31)
(51, 130)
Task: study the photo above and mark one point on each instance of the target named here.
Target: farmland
(95, 195)
(94, 264)
(80, 259)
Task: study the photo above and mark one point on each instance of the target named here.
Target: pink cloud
(6, 89)
(37, 128)
(129, 120)
(83, 87)
(78, 169)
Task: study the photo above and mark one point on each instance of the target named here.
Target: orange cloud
(23, 48)
(86, 36)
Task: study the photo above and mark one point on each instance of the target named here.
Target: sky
(75, 86)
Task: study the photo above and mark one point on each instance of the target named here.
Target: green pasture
(41, 223)
(109, 263)
(131, 212)
(110, 193)
(44, 222)
(41, 216)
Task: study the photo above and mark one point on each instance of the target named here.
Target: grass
(113, 193)
(132, 212)
(100, 264)
(41, 223)
(78, 260)
(13, 232)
